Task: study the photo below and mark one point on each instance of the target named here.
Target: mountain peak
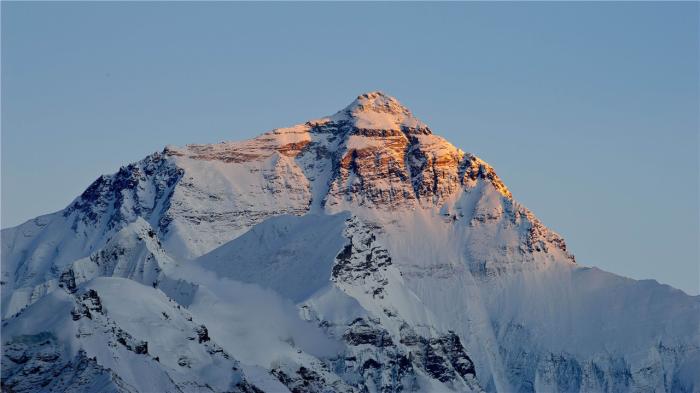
(377, 101)
(387, 260)
(379, 111)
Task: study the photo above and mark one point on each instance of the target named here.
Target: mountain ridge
(406, 258)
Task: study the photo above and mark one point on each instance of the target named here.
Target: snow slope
(127, 331)
(357, 252)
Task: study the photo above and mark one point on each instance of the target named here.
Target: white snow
(377, 111)
(291, 255)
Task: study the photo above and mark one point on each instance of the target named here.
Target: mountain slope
(356, 252)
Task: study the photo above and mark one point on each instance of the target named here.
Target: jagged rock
(67, 280)
(37, 363)
(303, 381)
(362, 259)
(360, 332)
(92, 300)
(202, 334)
(141, 348)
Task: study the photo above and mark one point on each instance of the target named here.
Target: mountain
(358, 252)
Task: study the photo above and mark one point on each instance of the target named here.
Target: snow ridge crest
(378, 111)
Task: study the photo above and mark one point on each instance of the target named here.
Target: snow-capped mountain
(358, 252)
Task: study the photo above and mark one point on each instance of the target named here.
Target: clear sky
(588, 111)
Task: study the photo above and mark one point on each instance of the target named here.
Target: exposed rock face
(374, 362)
(444, 357)
(304, 380)
(109, 343)
(142, 189)
(361, 332)
(389, 159)
(385, 351)
(362, 260)
(389, 364)
(38, 363)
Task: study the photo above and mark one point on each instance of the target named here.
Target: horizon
(584, 154)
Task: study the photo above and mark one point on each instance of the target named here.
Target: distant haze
(587, 111)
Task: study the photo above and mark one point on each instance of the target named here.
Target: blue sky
(588, 111)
